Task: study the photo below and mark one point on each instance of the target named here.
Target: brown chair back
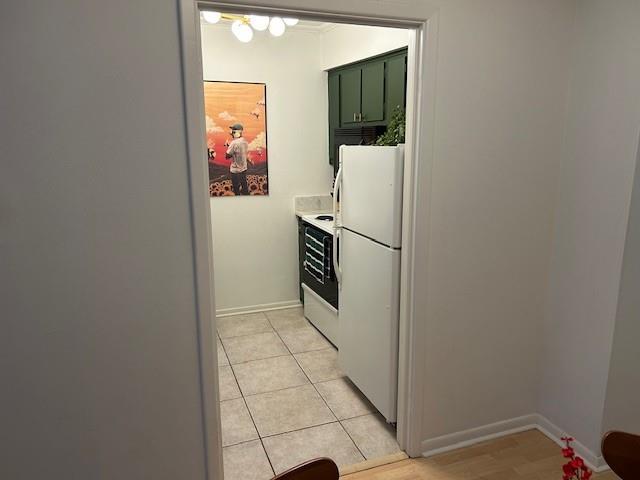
(318, 469)
(621, 451)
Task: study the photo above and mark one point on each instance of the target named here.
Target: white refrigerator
(367, 240)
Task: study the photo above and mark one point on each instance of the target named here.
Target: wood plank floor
(523, 456)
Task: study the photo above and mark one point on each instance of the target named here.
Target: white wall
(501, 91)
(255, 238)
(342, 44)
(623, 389)
(99, 369)
(593, 202)
(99, 342)
(537, 119)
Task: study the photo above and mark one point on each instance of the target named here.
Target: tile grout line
(294, 430)
(274, 356)
(289, 354)
(247, 334)
(300, 429)
(223, 351)
(315, 389)
(293, 355)
(273, 470)
(283, 355)
(260, 359)
(319, 394)
(339, 421)
(351, 438)
(246, 405)
(310, 382)
(277, 390)
(298, 386)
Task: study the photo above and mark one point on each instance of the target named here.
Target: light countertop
(324, 225)
(303, 213)
(312, 205)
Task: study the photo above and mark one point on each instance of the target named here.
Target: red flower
(577, 463)
(575, 468)
(586, 472)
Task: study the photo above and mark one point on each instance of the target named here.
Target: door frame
(422, 18)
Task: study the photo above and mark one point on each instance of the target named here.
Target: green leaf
(395, 130)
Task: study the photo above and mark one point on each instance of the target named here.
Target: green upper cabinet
(362, 94)
(350, 95)
(396, 83)
(334, 112)
(372, 105)
(366, 93)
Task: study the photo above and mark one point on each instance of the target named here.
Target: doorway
(408, 429)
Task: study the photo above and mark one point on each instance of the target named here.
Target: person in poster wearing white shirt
(237, 151)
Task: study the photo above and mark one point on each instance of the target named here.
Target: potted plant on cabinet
(395, 133)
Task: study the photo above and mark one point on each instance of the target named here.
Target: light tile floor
(284, 400)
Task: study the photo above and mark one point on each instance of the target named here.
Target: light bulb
(259, 22)
(211, 17)
(277, 26)
(242, 31)
(290, 22)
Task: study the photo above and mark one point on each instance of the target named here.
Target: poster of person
(236, 120)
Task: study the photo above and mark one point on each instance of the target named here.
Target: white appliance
(320, 287)
(320, 220)
(368, 234)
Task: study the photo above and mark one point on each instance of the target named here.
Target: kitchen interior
(307, 252)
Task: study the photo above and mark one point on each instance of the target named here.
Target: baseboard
(465, 438)
(555, 433)
(225, 312)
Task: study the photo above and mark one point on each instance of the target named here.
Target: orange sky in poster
(228, 103)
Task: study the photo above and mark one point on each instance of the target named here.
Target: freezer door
(368, 319)
(371, 192)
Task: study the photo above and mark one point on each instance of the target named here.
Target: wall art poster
(236, 121)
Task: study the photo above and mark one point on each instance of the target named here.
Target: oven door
(318, 273)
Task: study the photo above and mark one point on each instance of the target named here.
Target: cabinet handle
(360, 117)
(354, 117)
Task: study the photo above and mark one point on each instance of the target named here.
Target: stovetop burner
(326, 218)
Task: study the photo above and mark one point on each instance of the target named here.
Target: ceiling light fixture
(259, 22)
(211, 17)
(242, 26)
(242, 31)
(277, 27)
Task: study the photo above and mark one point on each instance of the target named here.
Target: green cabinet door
(334, 112)
(372, 92)
(350, 82)
(396, 84)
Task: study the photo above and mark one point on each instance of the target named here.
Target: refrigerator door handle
(336, 227)
(336, 265)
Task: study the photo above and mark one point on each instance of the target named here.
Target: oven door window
(318, 271)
